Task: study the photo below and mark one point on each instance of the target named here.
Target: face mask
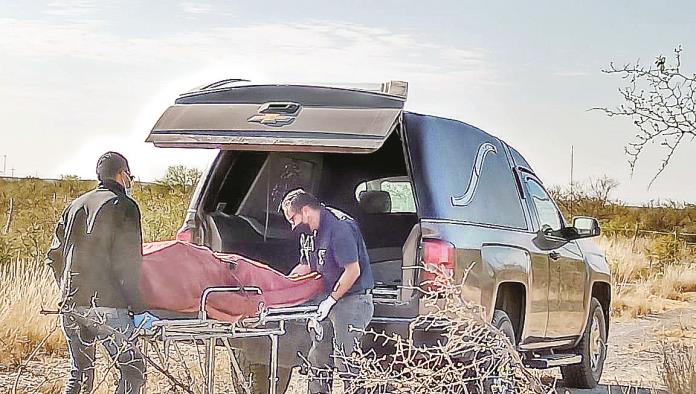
(129, 187)
(301, 229)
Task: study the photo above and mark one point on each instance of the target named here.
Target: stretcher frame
(270, 323)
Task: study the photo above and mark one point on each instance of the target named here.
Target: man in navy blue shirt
(335, 248)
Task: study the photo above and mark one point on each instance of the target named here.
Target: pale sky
(80, 77)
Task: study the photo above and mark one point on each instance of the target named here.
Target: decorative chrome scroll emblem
(468, 196)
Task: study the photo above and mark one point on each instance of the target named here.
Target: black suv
(424, 190)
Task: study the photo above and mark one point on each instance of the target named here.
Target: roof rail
(222, 82)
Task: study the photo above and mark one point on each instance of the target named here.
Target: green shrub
(37, 205)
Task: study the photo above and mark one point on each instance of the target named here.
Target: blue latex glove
(144, 320)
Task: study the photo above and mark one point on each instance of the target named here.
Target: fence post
(635, 236)
(10, 211)
(676, 242)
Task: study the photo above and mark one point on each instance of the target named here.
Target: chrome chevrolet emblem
(272, 119)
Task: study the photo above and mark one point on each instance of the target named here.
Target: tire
(592, 348)
(502, 322)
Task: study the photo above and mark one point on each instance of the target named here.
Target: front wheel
(592, 347)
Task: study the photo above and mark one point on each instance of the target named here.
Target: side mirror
(585, 227)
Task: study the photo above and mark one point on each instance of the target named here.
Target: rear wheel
(502, 322)
(592, 348)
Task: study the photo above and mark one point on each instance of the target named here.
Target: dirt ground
(635, 347)
(631, 366)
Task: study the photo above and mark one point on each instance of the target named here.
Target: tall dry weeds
(643, 280)
(678, 368)
(24, 289)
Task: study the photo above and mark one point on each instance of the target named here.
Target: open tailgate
(236, 115)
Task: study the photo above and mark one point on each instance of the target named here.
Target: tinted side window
(461, 173)
(549, 218)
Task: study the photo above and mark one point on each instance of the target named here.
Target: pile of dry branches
(471, 356)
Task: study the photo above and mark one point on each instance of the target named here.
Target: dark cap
(109, 164)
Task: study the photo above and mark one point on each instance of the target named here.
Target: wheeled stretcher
(267, 323)
(226, 297)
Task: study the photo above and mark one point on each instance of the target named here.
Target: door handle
(554, 255)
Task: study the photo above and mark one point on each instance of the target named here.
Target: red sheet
(174, 274)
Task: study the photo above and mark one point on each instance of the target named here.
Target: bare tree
(661, 101)
(600, 189)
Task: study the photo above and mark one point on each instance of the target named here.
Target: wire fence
(685, 238)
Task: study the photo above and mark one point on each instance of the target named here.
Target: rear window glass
(279, 174)
(398, 189)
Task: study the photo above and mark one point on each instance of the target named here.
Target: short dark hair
(297, 199)
(109, 164)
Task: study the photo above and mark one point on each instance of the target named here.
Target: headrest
(375, 201)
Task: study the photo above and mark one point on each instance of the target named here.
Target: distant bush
(594, 198)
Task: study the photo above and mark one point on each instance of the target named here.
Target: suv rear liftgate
(237, 115)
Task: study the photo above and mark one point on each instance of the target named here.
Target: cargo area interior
(241, 204)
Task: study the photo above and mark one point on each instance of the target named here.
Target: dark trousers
(84, 329)
(339, 340)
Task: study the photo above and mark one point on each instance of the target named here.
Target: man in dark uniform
(335, 248)
(96, 255)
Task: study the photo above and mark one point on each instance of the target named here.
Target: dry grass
(644, 280)
(676, 281)
(678, 368)
(24, 290)
(628, 262)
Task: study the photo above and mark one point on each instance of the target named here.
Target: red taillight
(185, 234)
(438, 264)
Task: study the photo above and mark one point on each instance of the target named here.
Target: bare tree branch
(23, 365)
(661, 102)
